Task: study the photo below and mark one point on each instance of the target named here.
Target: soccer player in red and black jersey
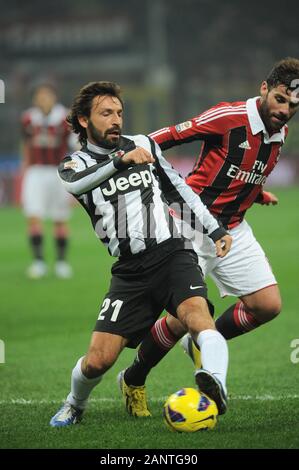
(241, 146)
(46, 139)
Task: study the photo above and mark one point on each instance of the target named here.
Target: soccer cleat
(190, 348)
(63, 270)
(37, 269)
(209, 385)
(66, 416)
(135, 397)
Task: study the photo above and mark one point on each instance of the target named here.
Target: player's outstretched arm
(177, 191)
(78, 177)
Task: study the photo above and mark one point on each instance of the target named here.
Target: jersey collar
(257, 124)
(99, 150)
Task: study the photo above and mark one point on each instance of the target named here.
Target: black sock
(36, 243)
(61, 247)
(150, 353)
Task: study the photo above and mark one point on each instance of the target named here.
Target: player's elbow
(72, 187)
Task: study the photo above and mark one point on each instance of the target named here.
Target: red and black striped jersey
(47, 136)
(236, 156)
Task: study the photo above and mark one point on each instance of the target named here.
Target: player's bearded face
(277, 107)
(106, 139)
(104, 125)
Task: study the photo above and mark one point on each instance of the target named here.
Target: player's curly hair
(284, 72)
(83, 102)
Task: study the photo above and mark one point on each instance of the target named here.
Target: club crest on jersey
(183, 126)
(118, 153)
(71, 164)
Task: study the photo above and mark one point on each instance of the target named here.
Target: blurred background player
(242, 145)
(46, 139)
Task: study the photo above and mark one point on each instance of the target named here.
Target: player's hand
(268, 198)
(223, 245)
(138, 156)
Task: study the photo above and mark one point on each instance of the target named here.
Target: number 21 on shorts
(117, 304)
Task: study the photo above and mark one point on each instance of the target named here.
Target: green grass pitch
(46, 326)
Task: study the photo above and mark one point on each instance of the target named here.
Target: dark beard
(265, 116)
(100, 139)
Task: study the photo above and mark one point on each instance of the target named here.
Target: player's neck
(100, 150)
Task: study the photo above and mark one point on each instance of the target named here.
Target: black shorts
(144, 285)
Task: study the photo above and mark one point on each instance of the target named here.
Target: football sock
(81, 386)
(153, 348)
(236, 321)
(214, 354)
(36, 243)
(61, 247)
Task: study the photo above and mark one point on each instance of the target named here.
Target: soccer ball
(188, 410)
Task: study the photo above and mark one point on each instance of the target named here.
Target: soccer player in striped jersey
(127, 187)
(241, 145)
(46, 139)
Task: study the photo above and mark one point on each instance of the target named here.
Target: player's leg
(211, 378)
(251, 279)
(33, 202)
(252, 311)
(35, 235)
(59, 212)
(166, 331)
(63, 269)
(162, 337)
(103, 351)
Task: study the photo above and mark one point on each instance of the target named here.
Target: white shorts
(244, 270)
(43, 194)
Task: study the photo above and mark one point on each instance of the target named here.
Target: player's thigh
(34, 192)
(245, 269)
(128, 310)
(265, 304)
(185, 286)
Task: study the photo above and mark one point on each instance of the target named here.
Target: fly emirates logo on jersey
(124, 184)
(256, 176)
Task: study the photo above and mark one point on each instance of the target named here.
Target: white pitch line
(23, 401)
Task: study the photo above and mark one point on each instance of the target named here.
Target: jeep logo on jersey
(125, 183)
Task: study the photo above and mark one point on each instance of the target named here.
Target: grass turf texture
(46, 326)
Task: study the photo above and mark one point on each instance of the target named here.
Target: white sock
(81, 387)
(214, 354)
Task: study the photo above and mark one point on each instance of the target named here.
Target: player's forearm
(166, 138)
(172, 136)
(203, 217)
(179, 192)
(80, 182)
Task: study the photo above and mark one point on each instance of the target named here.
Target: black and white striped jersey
(129, 205)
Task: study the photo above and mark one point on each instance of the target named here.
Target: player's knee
(268, 310)
(195, 315)
(273, 309)
(98, 362)
(175, 326)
